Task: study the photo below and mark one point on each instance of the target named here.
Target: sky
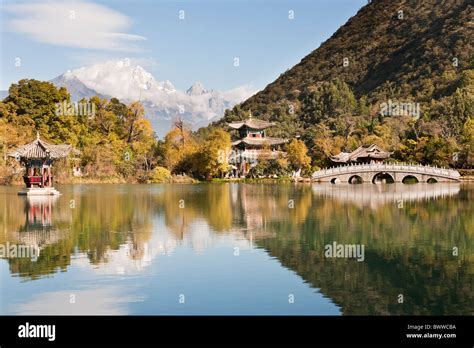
(223, 44)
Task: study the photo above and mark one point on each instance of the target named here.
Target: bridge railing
(382, 167)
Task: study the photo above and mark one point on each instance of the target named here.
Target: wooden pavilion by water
(252, 143)
(38, 158)
(363, 154)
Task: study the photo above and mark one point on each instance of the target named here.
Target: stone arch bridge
(385, 172)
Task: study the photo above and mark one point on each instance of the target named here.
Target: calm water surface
(239, 249)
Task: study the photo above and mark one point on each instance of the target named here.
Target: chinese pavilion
(253, 143)
(38, 158)
(363, 154)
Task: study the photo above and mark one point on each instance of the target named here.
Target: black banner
(191, 330)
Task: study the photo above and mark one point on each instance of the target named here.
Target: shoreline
(466, 179)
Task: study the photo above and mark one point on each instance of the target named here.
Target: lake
(239, 249)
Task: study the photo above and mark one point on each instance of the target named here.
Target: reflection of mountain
(375, 196)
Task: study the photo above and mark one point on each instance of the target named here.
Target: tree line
(117, 142)
(329, 118)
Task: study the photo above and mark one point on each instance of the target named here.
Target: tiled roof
(260, 141)
(372, 151)
(40, 149)
(251, 123)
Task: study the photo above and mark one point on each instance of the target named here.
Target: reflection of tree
(218, 209)
(226, 206)
(408, 251)
(34, 229)
(109, 219)
(262, 204)
(53, 258)
(185, 203)
(97, 223)
(104, 218)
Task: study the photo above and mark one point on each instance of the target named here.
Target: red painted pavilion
(38, 158)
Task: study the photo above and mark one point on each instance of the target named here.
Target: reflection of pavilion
(39, 211)
(377, 195)
(257, 212)
(38, 230)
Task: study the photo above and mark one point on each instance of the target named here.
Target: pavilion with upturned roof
(363, 154)
(38, 158)
(253, 143)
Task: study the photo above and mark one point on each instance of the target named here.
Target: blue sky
(50, 39)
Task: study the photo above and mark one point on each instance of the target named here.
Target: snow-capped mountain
(163, 102)
(196, 89)
(76, 88)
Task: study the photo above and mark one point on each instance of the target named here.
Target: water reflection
(409, 232)
(38, 211)
(104, 301)
(375, 196)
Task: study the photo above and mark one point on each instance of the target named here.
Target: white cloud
(238, 94)
(75, 24)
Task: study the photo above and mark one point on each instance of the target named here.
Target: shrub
(270, 167)
(159, 175)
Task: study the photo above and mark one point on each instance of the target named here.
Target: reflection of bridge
(377, 196)
(384, 172)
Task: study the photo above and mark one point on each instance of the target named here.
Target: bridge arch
(431, 181)
(410, 179)
(383, 178)
(386, 172)
(335, 181)
(355, 179)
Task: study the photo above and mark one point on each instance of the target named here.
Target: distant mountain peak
(68, 75)
(127, 81)
(197, 89)
(168, 86)
(75, 87)
(118, 78)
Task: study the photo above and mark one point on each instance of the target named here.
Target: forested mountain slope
(398, 52)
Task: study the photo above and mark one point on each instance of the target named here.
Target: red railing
(35, 180)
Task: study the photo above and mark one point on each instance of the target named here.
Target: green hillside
(405, 52)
